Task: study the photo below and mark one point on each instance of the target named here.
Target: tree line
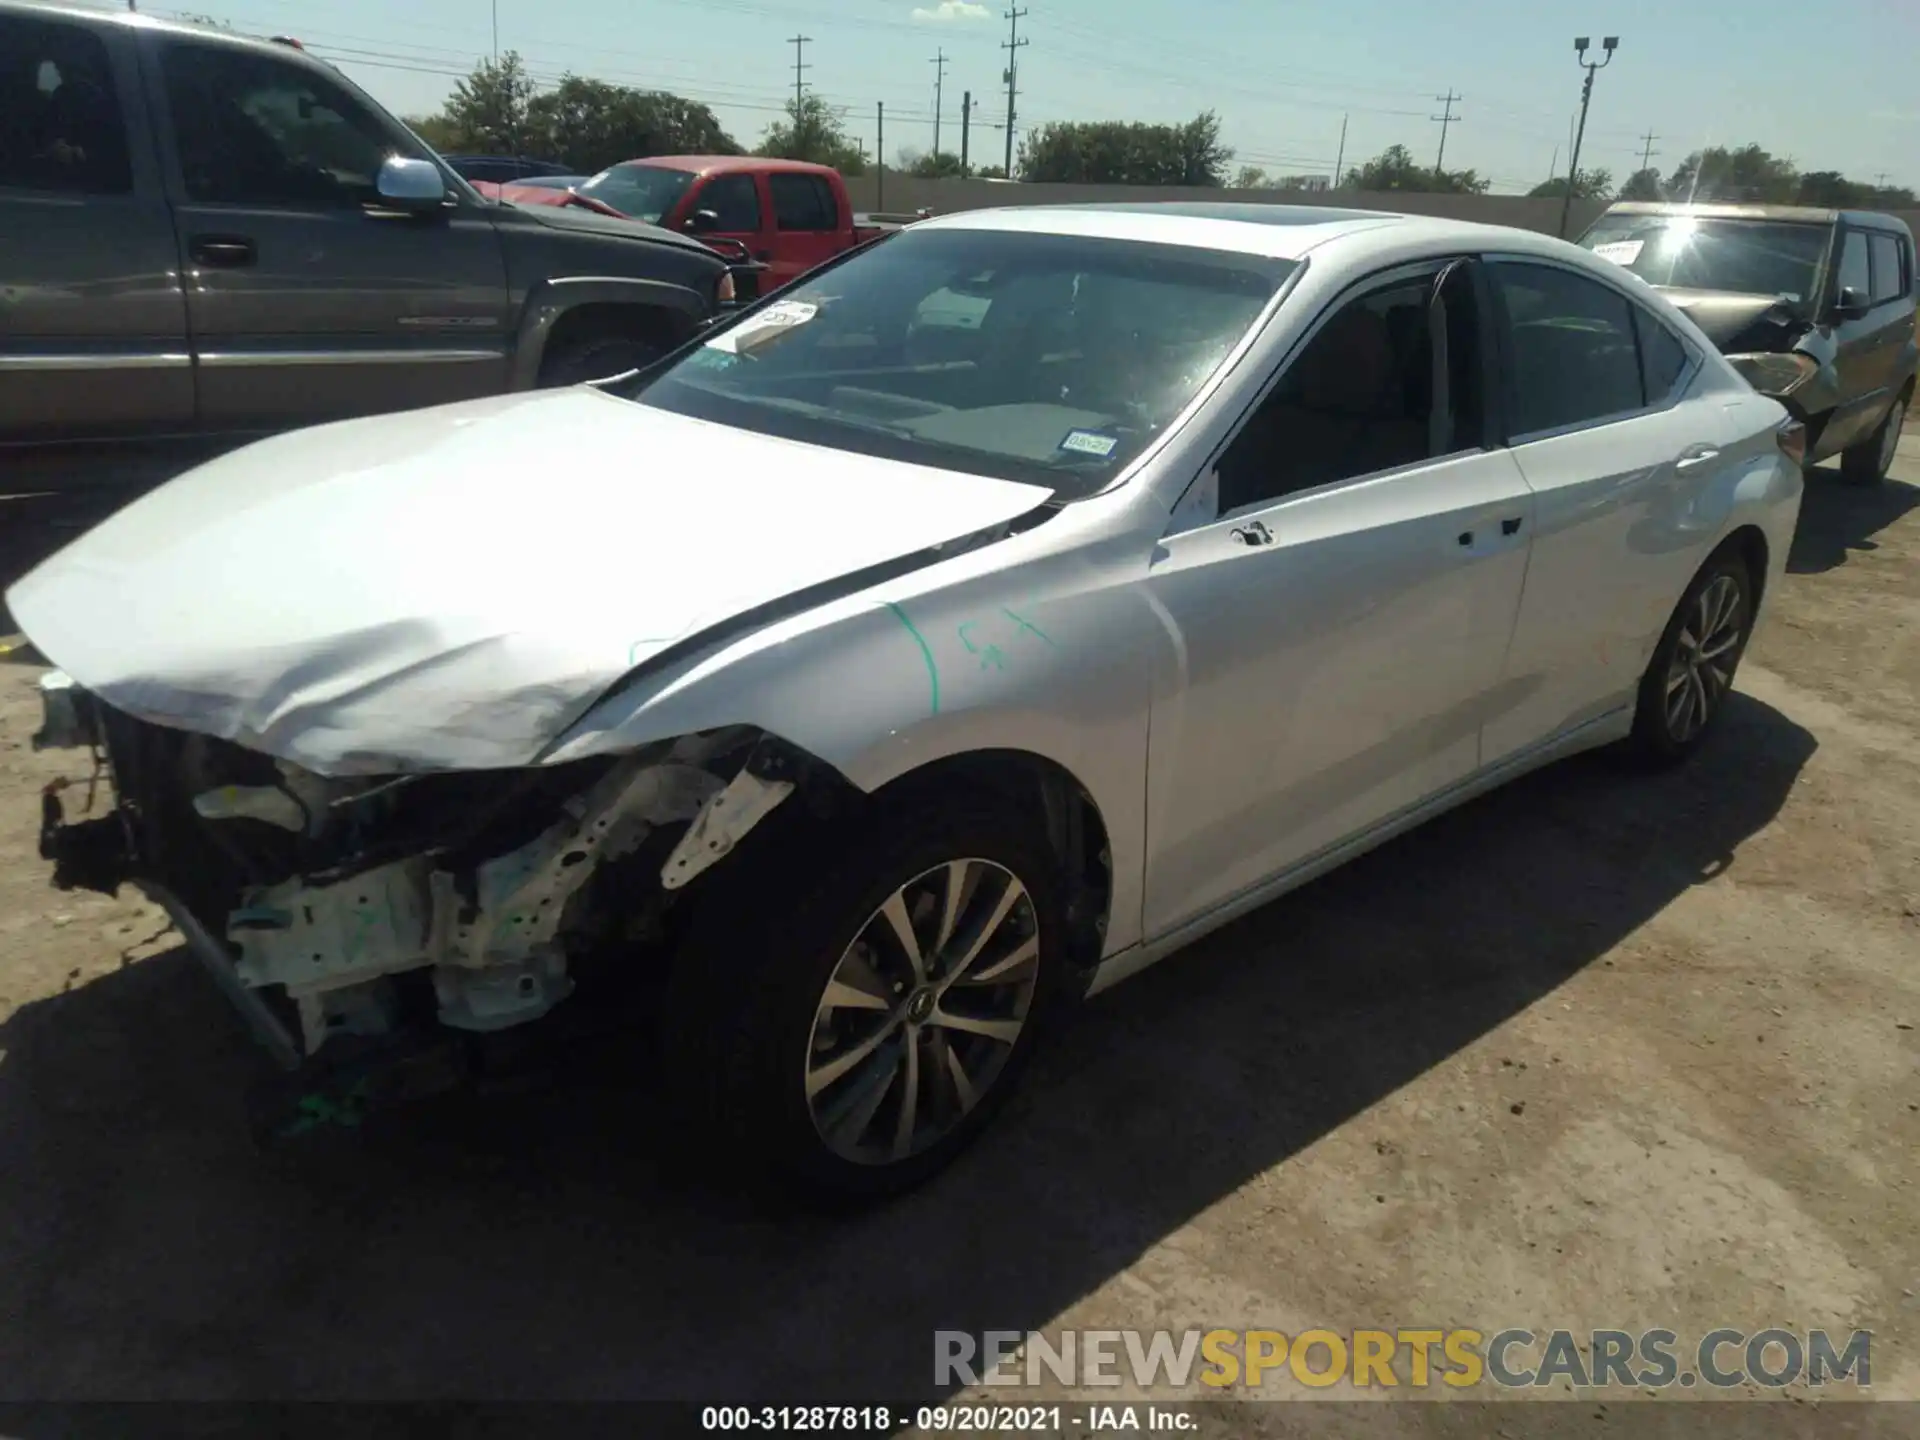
(1741, 174)
(591, 124)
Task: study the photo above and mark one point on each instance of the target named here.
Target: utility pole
(1341, 158)
(800, 67)
(496, 29)
(939, 62)
(880, 155)
(1012, 47)
(1609, 44)
(1446, 120)
(1647, 152)
(966, 128)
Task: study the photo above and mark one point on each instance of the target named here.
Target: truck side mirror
(1852, 303)
(703, 222)
(414, 187)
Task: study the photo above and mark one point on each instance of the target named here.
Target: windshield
(1053, 359)
(644, 192)
(1750, 257)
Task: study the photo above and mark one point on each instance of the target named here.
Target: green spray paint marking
(1028, 625)
(926, 653)
(993, 655)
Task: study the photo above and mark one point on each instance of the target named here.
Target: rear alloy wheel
(1867, 463)
(1687, 681)
(850, 1008)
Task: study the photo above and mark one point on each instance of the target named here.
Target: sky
(1281, 74)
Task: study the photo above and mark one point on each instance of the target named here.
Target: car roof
(1278, 232)
(714, 164)
(1803, 214)
(140, 19)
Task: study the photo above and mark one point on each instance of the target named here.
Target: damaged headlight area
(349, 905)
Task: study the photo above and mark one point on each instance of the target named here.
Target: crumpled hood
(1738, 322)
(450, 588)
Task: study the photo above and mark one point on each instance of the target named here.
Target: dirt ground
(1597, 1051)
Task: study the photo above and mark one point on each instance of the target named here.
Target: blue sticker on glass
(1090, 442)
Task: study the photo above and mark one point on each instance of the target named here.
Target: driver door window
(1374, 389)
(256, 131)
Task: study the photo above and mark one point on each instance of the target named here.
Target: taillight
(726, 292)
(1793, 442)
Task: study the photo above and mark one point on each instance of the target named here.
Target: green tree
(1747, 174)
(488, 110)
(1395, 169)
(1587, 185)
(592, 124)
(1643, 185)
(1831, 188)
(937, 166)
(436, 130)
(1251, 177)
(812, 131)
(1114, 152)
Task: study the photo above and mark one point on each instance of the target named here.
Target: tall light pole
(496, 31)
(1609, 45)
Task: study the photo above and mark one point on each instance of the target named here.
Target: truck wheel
(579, 362)
(1867, 462)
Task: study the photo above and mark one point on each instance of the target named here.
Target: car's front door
(1618, 452)
(733, 199)
(306, 300)
(1856, 336)
(1340, 599)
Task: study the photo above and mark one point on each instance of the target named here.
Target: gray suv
(206, 236)
(1814, 307)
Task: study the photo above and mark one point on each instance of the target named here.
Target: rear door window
(803, 202)
(61, 127)
(1572, 351)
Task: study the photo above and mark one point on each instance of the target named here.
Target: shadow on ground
(1838, 519)
(540, 1246)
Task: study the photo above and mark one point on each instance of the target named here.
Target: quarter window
(254, 130)
(1889, 283)
(60, 123)
(803, 202)
(1572, 348)
(1663, 357)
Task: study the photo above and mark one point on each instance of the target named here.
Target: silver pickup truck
(204, 236)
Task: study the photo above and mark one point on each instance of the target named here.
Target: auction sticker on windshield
(1089, 442)
(765, 327)
(1621, 252)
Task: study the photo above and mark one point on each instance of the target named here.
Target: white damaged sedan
(951, 634)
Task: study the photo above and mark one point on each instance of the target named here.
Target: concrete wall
(897, 193)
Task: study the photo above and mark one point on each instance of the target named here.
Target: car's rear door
(1602, 417)
(93, 331)
(306, 300)
(810, 226)
(1341, 599)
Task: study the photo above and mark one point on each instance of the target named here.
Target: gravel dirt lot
(1597, 1051)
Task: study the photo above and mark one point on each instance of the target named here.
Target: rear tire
(580, 362)
(780, 981)
(1867, 462)
(1686, 683)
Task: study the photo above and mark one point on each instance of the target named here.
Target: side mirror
(703, 222)
(412, 186)
(1852, 303)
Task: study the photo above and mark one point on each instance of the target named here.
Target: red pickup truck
(790, 215)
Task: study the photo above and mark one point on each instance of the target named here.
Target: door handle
(1694, 456)
(1511, 525)
(222, 250)
(1252, 533)
(763, 255)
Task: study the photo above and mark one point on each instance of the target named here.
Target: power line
(800, 68)
(939, 62)
(1446, 121)
(1013, 47)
